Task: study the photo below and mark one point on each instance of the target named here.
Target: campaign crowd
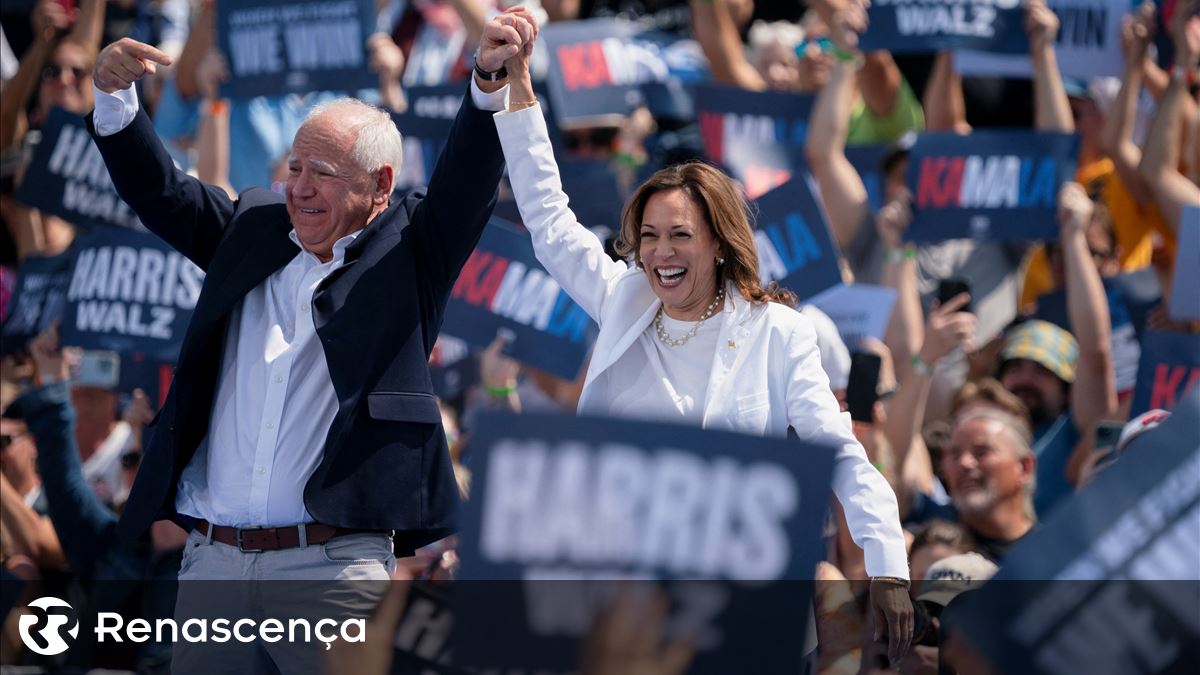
(989, 410)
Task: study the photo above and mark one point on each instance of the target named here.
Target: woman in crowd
(690, 334)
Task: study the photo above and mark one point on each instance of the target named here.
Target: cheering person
(689, 334)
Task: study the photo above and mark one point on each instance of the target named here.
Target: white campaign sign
(1089, 43)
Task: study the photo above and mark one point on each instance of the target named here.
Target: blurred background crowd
(966, 332)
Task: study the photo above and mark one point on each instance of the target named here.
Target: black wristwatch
(490, 77)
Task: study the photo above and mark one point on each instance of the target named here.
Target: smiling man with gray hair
(990, 471)
(301, 438)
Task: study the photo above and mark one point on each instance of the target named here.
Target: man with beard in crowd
(989, 468)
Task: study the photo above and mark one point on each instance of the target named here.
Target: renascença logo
(50, 628)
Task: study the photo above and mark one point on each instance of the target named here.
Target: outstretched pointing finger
(144, 52)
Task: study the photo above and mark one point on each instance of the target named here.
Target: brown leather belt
(258, 539)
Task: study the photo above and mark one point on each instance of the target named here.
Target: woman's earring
(720, 261)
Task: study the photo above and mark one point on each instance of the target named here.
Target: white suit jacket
(766, 374)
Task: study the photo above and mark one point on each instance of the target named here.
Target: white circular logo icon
(50, 627)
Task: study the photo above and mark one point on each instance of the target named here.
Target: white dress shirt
(762, 375)
(275, 399)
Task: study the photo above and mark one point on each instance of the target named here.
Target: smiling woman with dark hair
(689, 334)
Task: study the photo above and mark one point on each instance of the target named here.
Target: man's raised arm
(462, 189)
(186, 213)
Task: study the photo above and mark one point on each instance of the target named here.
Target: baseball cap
(1140, 425)
(950, 576)
(1044, 343)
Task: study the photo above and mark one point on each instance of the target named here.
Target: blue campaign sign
(38, 297)
(730, 523)
(757, 136)
(67, 177)
(129, 293)
(424, 128)
(926, 26)
(1170, 366)
(1108, 584)
(598, 69)
(503, 288)
(997, 185)
(1185, 286)
(295, 46)
(793, 240)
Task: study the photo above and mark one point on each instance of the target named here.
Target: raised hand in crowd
(1185, 32)
(210, 73)
(1094, 393)
(387, 60)
(1052, 110)
(846, 23)
(1075, 210)
(498, 374)
(138, 415)
(48, 360)
(50, 17)
(1175, 118)
(124, 62)
(1137, 33)
(948, 328)
(1042, 24)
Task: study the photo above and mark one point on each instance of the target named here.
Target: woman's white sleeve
(866, 497)
(572, 254)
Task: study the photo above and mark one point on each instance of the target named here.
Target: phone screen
(863, 385)
(949, 288)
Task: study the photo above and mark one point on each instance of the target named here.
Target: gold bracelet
(514, 106)
(892, 580)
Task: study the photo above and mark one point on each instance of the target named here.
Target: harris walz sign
(129, 293)
(729, 524)
(67, 177)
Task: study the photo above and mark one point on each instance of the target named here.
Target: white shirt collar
(339, 246)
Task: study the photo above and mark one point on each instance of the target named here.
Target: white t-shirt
(674, 387)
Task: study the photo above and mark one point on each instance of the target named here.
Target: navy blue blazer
(385, 464)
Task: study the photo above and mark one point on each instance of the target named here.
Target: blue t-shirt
(1053, 444)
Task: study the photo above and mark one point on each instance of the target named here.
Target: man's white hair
(377, 141)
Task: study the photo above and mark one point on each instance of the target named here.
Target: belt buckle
(242, 548)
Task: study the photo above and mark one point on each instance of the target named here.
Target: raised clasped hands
(507, 39)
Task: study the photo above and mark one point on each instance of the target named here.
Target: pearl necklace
(679, 342)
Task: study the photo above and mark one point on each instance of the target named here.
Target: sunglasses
(131, 459)
(824, 44)
(55, 71)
